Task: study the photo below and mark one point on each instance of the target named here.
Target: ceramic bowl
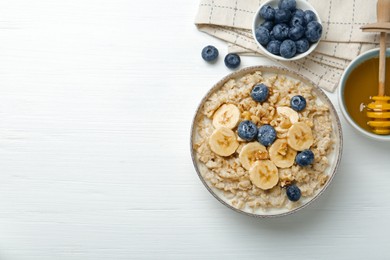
(258, 20)
(334, 157)
(374, 53)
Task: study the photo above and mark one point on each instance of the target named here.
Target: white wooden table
(96, 103)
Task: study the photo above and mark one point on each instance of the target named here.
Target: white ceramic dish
(356, 62)
(334, 157)
(257, 21)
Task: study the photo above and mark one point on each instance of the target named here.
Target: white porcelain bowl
(356, 62)
(258, 20)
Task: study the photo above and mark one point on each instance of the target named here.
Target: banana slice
(227, 116)
(288, 113)
(264, 174)
(223, 141)
(251, 153)
(282, 155)
(300, 137)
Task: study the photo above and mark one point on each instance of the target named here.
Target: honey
(362, 84)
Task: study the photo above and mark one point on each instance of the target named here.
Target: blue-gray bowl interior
(366, 56)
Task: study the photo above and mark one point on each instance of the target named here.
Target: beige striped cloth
(342, 40)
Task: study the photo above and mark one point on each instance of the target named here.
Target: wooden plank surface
(96, 102)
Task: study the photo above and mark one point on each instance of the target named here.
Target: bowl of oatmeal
(266, 141)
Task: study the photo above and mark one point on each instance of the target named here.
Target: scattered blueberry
(298, 103)
(304, 158)
(266, 135)
(297, 20)
(298, 12)
(267, 12)
(313, 31)
(302, 45)
(247, 130)
(232, 60)
(282, 16)
(288, 49)
(260, 93)
(209, 53)
(296, 32)
(293, 193)
(287, 4)
(274, 47)
(309, 16)
(268, 25)
(262, 35)
(280, 31)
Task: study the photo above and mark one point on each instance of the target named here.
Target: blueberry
(297, 20)
(271, 35)
(288, 49)
(293, 193)
(247, 130)
(260, 93)
(209, 53)
(232, 60)
(287, 4)
(266, 135)
(262, 35)
(298, 103)
(274, 47)
(309, 16)
(298, 12)
(296, 32)
(304, 158)
(280, 31)
(267, 12)
(313, 31)
(282, 16)
(302, 45)
(268, 25)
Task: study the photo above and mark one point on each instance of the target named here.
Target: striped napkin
(342, 40)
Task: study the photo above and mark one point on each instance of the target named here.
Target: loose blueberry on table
(286, 22)
(247, 130)
(293, 192)
(298, 103)
(266, 135)
(210, 53)
(260, 93)
(304, 158)
(232, 60)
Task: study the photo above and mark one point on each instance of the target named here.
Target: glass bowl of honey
(358, 84)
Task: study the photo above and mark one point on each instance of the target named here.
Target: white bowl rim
(352, 65)
(266, 52)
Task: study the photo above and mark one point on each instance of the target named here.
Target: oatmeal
(261, 138)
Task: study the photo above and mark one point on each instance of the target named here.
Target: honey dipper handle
(383, 15)
(382, 64)
(383, 11)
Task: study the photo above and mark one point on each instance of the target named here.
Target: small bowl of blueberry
(287, 29)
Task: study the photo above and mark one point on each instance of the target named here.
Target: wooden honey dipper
(379, 110)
